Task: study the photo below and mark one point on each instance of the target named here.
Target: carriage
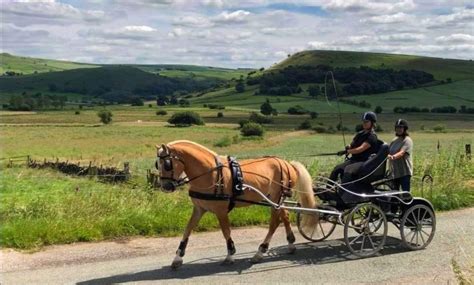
(364, 207)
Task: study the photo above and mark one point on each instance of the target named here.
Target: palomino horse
(210, 180)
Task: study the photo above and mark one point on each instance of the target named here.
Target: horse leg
(225, 227)
(290, 237)
(274, 222)
(193, 221)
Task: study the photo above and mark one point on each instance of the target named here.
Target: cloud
(456, 38)
(403, 37)
(238, 16)
(193, 21)
(139, 29)
(46, 12)
(369, 6)
(459, 17)
(388, 19)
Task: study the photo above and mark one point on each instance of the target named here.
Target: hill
(114, 83)
(441, 68)
(29, 65)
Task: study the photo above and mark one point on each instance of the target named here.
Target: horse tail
(305, 194)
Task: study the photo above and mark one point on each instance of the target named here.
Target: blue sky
(229, 33)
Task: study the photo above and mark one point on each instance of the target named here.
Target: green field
(29, 65)
(453, 94)
(41, 207)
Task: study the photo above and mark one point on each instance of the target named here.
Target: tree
(252, 129)
(105, 116)
(137, 101)
(240, 87)
(266, 108)
(314, 91)
(186, 119)
(378, 110)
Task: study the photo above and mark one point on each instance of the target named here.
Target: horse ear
(157, 146)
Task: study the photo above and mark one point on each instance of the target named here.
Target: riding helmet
(401, 123)
(369, 116)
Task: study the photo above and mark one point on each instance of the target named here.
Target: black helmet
(369, 116)
(401, 123)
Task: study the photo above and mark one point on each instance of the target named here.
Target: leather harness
(237, 184)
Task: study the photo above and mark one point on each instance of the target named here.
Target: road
(147, 260)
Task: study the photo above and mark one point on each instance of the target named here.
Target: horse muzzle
(168, 186)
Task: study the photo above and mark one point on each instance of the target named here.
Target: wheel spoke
(412, 236)
(422, 239)
(424, 215)
(414, 217)
(416, 237)
(419, 210)
(363, 243)
(356, 238)
(412, 222)
(312, 233)
(371, 242)
(322, 229)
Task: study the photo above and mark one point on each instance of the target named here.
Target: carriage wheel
(323, 228)
(417, 227)
(365, 230)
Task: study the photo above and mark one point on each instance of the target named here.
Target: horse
(210, 187)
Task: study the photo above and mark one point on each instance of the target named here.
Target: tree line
(350, 80)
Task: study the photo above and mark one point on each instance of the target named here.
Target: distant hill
(441, 68)
(113, 82)
(29, 65)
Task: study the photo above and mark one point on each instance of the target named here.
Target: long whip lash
(337, 100)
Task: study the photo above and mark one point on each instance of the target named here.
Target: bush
(297, 110)
(305, 125)
(313, 115)
(220, 115)
(137, 101)
(215, 106)
(184, 103)
(150, 106)
(252, 129)
(320, 129)
(186, 119)
(161, 113)
(105, 116)
(77, 112)
(378, 110)
(378, 128)
(243, 122)
(257, 118)
(439, 128)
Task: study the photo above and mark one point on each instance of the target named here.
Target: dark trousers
(404, 182)
(338, 171)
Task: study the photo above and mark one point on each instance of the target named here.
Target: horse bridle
(168, 166)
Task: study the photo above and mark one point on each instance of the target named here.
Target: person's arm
(363, 147)
(397, 155)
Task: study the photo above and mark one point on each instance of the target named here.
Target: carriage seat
(361, 169)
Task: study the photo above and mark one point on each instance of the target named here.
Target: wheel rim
(323, 229)
(417, 227)
(366, 230)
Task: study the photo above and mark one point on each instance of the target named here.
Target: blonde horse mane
(192, 143)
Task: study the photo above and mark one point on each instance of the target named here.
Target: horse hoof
(291, 249)
(177, 262)
(258, 257)
(228, 261)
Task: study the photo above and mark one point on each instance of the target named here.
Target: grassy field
(29, 65)
(40, 207)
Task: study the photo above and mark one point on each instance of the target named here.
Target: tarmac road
(147, 260)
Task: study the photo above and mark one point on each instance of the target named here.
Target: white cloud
(388, 19)
(369, 6)
(193, 21)
(139, 29)
(234, 17)
(403, 37)
(460, 16)
(456, 38)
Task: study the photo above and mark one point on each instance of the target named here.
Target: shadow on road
(331, 251)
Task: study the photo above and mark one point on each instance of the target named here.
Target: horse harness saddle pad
(237, 178)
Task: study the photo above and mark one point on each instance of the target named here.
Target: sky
(230, 33)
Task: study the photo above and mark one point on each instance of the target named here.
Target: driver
(362, 146)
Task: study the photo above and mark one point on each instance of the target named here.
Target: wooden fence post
(468, 151)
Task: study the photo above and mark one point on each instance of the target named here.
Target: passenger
(401, 156)
(363, 145)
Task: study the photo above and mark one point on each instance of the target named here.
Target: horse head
(170, 167)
